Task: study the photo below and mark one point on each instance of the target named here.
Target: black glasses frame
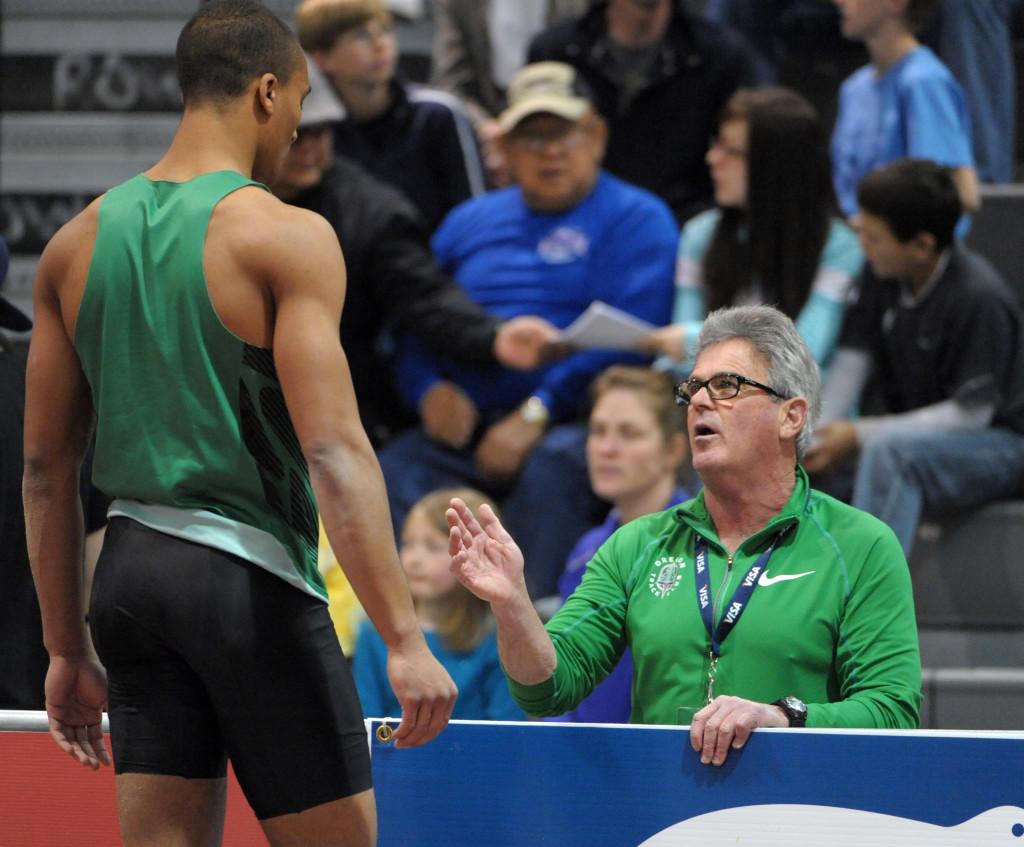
(687, 388)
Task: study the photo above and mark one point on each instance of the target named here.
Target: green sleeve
(878, 661)
(589, 634)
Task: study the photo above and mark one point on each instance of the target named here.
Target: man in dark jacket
(659, 75)
(393, 281)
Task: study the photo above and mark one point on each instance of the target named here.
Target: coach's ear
(792, 417)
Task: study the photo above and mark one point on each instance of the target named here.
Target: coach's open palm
(485, 558)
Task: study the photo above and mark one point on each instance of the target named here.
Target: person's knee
(346, 822)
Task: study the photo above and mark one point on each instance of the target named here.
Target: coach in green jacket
(760, 602)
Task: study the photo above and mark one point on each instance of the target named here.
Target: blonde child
(457, 625)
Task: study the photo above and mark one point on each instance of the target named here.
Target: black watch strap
(794, 709)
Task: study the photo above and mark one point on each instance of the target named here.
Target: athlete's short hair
(319, 23)
(229, 43)
(792, 370)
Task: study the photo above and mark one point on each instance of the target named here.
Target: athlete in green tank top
(193, 436)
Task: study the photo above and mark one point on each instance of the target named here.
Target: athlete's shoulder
(70, 247)
(257, 221)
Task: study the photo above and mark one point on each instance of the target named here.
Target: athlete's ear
(266, 93)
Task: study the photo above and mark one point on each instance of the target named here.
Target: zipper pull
(728, 562)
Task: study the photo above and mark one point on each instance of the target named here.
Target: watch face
(795, 709)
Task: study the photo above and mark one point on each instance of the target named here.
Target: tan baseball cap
(552, 87)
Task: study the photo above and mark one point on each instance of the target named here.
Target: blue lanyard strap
(740, 597)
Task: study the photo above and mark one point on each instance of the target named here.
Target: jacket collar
(694, 514)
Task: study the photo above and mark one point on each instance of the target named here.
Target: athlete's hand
(726, 722)
(76, 694)
(425, 691)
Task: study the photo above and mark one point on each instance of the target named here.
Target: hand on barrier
(425, 691)
(727, 722)
(76, 694)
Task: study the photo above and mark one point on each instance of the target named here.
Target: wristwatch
(794, 709)
(534, 411)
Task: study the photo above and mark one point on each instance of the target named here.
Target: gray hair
(792, 370)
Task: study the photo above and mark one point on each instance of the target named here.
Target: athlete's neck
(207, 140)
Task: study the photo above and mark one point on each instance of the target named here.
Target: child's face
(365, 54)
(425, 558)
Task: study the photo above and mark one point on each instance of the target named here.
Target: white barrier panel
(563, 785)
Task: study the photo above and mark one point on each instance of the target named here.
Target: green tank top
(193, 437)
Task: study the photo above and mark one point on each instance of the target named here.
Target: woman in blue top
(458, 626)
(636, 445)
(775, 237)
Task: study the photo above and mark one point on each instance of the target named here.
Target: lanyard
(737, 605)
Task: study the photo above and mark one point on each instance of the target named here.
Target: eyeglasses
(723, 386)
(536, 143)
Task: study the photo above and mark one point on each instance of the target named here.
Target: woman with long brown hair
(775, 236)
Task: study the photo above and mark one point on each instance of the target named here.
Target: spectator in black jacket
(393, 281)
(659, 75)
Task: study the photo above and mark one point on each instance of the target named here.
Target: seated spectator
(479, 45)
(660, 76)
(940, 343)
(761, 602)
(904, 103)
(458, 625)
(636, 448)
(393, 281)
(567, 234)
(418, 139)
(775, 237)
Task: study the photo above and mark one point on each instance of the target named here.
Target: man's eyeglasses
(723, 386)
(566, 139)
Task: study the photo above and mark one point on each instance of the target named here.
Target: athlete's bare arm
(297, 254)
(58, 423)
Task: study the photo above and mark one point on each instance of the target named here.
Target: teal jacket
(839, 633)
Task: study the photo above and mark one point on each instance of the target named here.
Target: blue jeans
(900, 477)
(546, 509)
(975, 43)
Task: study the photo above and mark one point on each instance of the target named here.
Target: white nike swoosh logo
(782, 577)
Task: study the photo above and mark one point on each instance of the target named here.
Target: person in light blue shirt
(457, 625)
(775, 236)
(904, 103)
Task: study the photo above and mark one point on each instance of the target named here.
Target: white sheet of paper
(604, 327)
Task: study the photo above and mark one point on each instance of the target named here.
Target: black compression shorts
(210, 657)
